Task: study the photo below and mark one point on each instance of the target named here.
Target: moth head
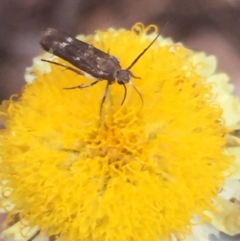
(123, 76)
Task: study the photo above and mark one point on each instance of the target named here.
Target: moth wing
(80, 54)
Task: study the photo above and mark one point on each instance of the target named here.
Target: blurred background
(212, 26)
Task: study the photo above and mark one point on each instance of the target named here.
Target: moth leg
(83, 85)
(135, 77)
(104, 96)
(77, 71)
(125, 93)
(139, 93)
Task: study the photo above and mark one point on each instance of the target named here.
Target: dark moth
(87, 59)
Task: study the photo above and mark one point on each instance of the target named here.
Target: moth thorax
(122, 76)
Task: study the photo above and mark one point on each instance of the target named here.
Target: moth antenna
(139, 93)
(104, 97)
(144, 51)
(125, 93)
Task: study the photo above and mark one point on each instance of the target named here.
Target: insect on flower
(89, 60)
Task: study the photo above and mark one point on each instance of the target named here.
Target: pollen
(134, 172)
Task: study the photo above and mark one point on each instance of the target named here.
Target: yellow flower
(226, 219)
(135, 172)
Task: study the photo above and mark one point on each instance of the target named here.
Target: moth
(88, 60)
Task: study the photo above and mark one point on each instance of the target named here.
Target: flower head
(135, 172)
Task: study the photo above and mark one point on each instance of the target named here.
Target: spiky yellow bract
(134, 172)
